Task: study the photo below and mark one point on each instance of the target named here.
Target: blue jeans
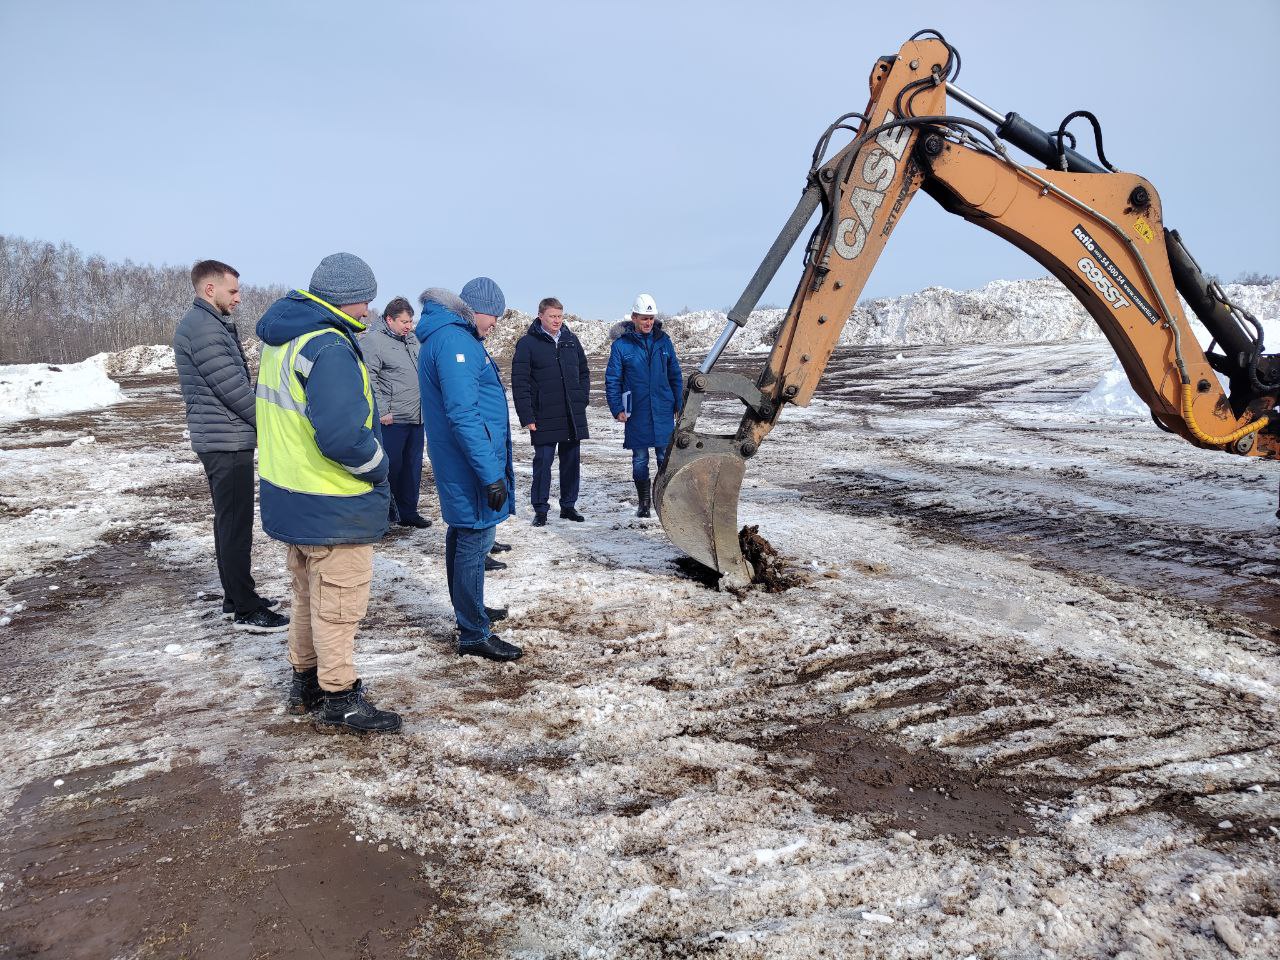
(570, 474)
(403, 444)
(640, 462)
(464, 553)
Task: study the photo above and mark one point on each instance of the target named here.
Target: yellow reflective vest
(288, 455)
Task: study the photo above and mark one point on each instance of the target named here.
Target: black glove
(497, 494)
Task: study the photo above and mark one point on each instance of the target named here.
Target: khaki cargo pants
(330, 596)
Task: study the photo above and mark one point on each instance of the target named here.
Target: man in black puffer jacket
(220, 417)
(551, 385)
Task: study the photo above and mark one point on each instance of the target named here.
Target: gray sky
(585, 150)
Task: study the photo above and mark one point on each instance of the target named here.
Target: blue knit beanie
(484, 296)
(343, 278)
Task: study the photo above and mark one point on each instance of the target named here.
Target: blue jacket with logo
(646, 365)
(464, 409)
(337, 412)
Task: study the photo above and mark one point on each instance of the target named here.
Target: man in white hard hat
(643, 385)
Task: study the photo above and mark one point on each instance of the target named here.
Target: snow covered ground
(1022, 704)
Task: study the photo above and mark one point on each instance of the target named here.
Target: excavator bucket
(696, 491)
(697, 500)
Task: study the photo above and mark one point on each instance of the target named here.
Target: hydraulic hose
(1188, 415)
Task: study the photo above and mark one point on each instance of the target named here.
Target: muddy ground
(1021, 701)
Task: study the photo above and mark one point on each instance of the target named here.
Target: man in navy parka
(644, 386)
(464, 409)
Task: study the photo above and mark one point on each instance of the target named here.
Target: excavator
(1099, 230)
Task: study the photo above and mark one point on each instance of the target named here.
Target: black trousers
(231, 485)
(403, 445)
(570, 471)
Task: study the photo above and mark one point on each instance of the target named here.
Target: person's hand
(497, 494)
(622, 417)
(531, 426)
(385, 419)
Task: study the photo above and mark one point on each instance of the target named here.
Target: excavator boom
(1098, 230)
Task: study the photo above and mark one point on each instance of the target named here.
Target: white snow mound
(47, 390)
(137, 361)
(1112, 397)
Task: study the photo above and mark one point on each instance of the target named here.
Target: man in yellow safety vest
(324, 483)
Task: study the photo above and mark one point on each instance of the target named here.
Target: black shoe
(491, 648)
(349, 712)
(492, 564)
(568, 513)
(644, 493)
(499, 547)
(260, 621)
(495, 613)
(539, 519)
(304, 692)
(420, 522)
(229, 611)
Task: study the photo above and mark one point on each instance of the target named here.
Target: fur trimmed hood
(623, 327)
(449, 300)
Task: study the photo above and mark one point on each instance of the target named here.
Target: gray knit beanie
(343, 278)
(484, 296)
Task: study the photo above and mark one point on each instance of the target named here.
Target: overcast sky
(586, 150)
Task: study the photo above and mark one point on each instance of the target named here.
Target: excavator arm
(1098, 230)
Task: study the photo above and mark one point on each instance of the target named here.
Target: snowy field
(1023, 703)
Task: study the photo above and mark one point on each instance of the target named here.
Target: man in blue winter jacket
(643, 385)
(464, 408)
(323, 477)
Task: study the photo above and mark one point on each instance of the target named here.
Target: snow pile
(593, 334)
(136, 361)
(1003, 311)
(50, 390)
(46, 390)
(1112, 397)
(696, 331)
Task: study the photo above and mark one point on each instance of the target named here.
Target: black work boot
(304, 692)
(492, 564)
(646, 499)
(569, 513)
(495, 613)
(347, 711)
(260, 621)
(491, 648)
(540, 519)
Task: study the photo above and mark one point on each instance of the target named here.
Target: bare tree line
(59, 306)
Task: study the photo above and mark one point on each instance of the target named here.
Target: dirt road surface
(1022, 702)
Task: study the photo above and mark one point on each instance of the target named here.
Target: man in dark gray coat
(220, 417)
(391, 355)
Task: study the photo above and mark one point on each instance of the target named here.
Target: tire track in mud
(1077, 518)
(1054, 731)
(1072, 521)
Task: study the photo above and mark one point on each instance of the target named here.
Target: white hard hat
(645, 306)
